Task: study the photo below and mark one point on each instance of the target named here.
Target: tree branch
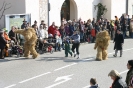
(5, 8)
(2, 5)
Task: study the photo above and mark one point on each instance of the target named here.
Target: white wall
(118, 8)
(94, 12)
(17, 7)
(32, 7)
(108, 4)
(130, 9)
(85, 10)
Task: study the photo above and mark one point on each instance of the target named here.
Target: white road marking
(64, 78)
(65, 66)
(34, 77)
(123, 50)
(10, 86)
(124, 72)
(87, 86)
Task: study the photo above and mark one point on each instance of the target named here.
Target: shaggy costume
(30, 41)
(102, 42)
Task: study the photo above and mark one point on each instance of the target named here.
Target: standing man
(119, 40)
(3, 43)
(76, 43)
(24, 25)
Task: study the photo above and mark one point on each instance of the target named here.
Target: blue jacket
(94, 86)
(76, 38)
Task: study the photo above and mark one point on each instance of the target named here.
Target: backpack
(122, 83)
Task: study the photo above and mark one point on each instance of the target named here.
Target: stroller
(15, 50)
(47, 45)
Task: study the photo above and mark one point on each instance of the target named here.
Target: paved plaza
(56, 71)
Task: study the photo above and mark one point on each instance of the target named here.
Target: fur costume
(30, 41)
(102, 43)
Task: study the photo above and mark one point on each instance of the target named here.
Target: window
(132, 9)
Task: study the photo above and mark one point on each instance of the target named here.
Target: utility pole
(48, 12)
(127, 6)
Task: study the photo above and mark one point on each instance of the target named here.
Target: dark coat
(118, 41)
(2, 42)
(129, 76)
(119, 83)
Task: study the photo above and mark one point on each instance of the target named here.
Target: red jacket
(57, 32)
(93, 32)
(51, 30)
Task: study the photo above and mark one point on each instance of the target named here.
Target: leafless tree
(4, 7)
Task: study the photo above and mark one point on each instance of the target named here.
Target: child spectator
(93, 83)
(57, 37)
(93, 34)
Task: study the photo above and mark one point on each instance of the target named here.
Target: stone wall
(43, 10)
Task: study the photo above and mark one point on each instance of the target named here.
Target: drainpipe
(127, 7)
(48, 12)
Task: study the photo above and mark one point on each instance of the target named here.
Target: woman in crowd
(117, 80)
(3, 43)
(129, 77)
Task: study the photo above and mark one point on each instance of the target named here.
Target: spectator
(35, 24)
(116, 21)
(24, 25)
(124, 29)
(82, 29)
(63, 34)
(43, 34)
(36, 30)
(129, 77)
(119, 40)
(117, 80)
(52, 29)
(67, 30)
(93, 83)
(93, 34)
(71, 29)
(3, 43)
(93, 22)
(57, 37)
(97, 27)
(131, 28)
(12, 35)
(88, 27)
(42, 23)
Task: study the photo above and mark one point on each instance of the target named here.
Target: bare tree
(4, 7)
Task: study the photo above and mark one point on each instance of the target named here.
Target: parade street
(56, 71)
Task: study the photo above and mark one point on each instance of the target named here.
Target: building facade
(68, 9)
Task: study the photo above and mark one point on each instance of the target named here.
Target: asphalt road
(56, 71)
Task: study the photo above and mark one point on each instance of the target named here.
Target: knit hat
(130, 62)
